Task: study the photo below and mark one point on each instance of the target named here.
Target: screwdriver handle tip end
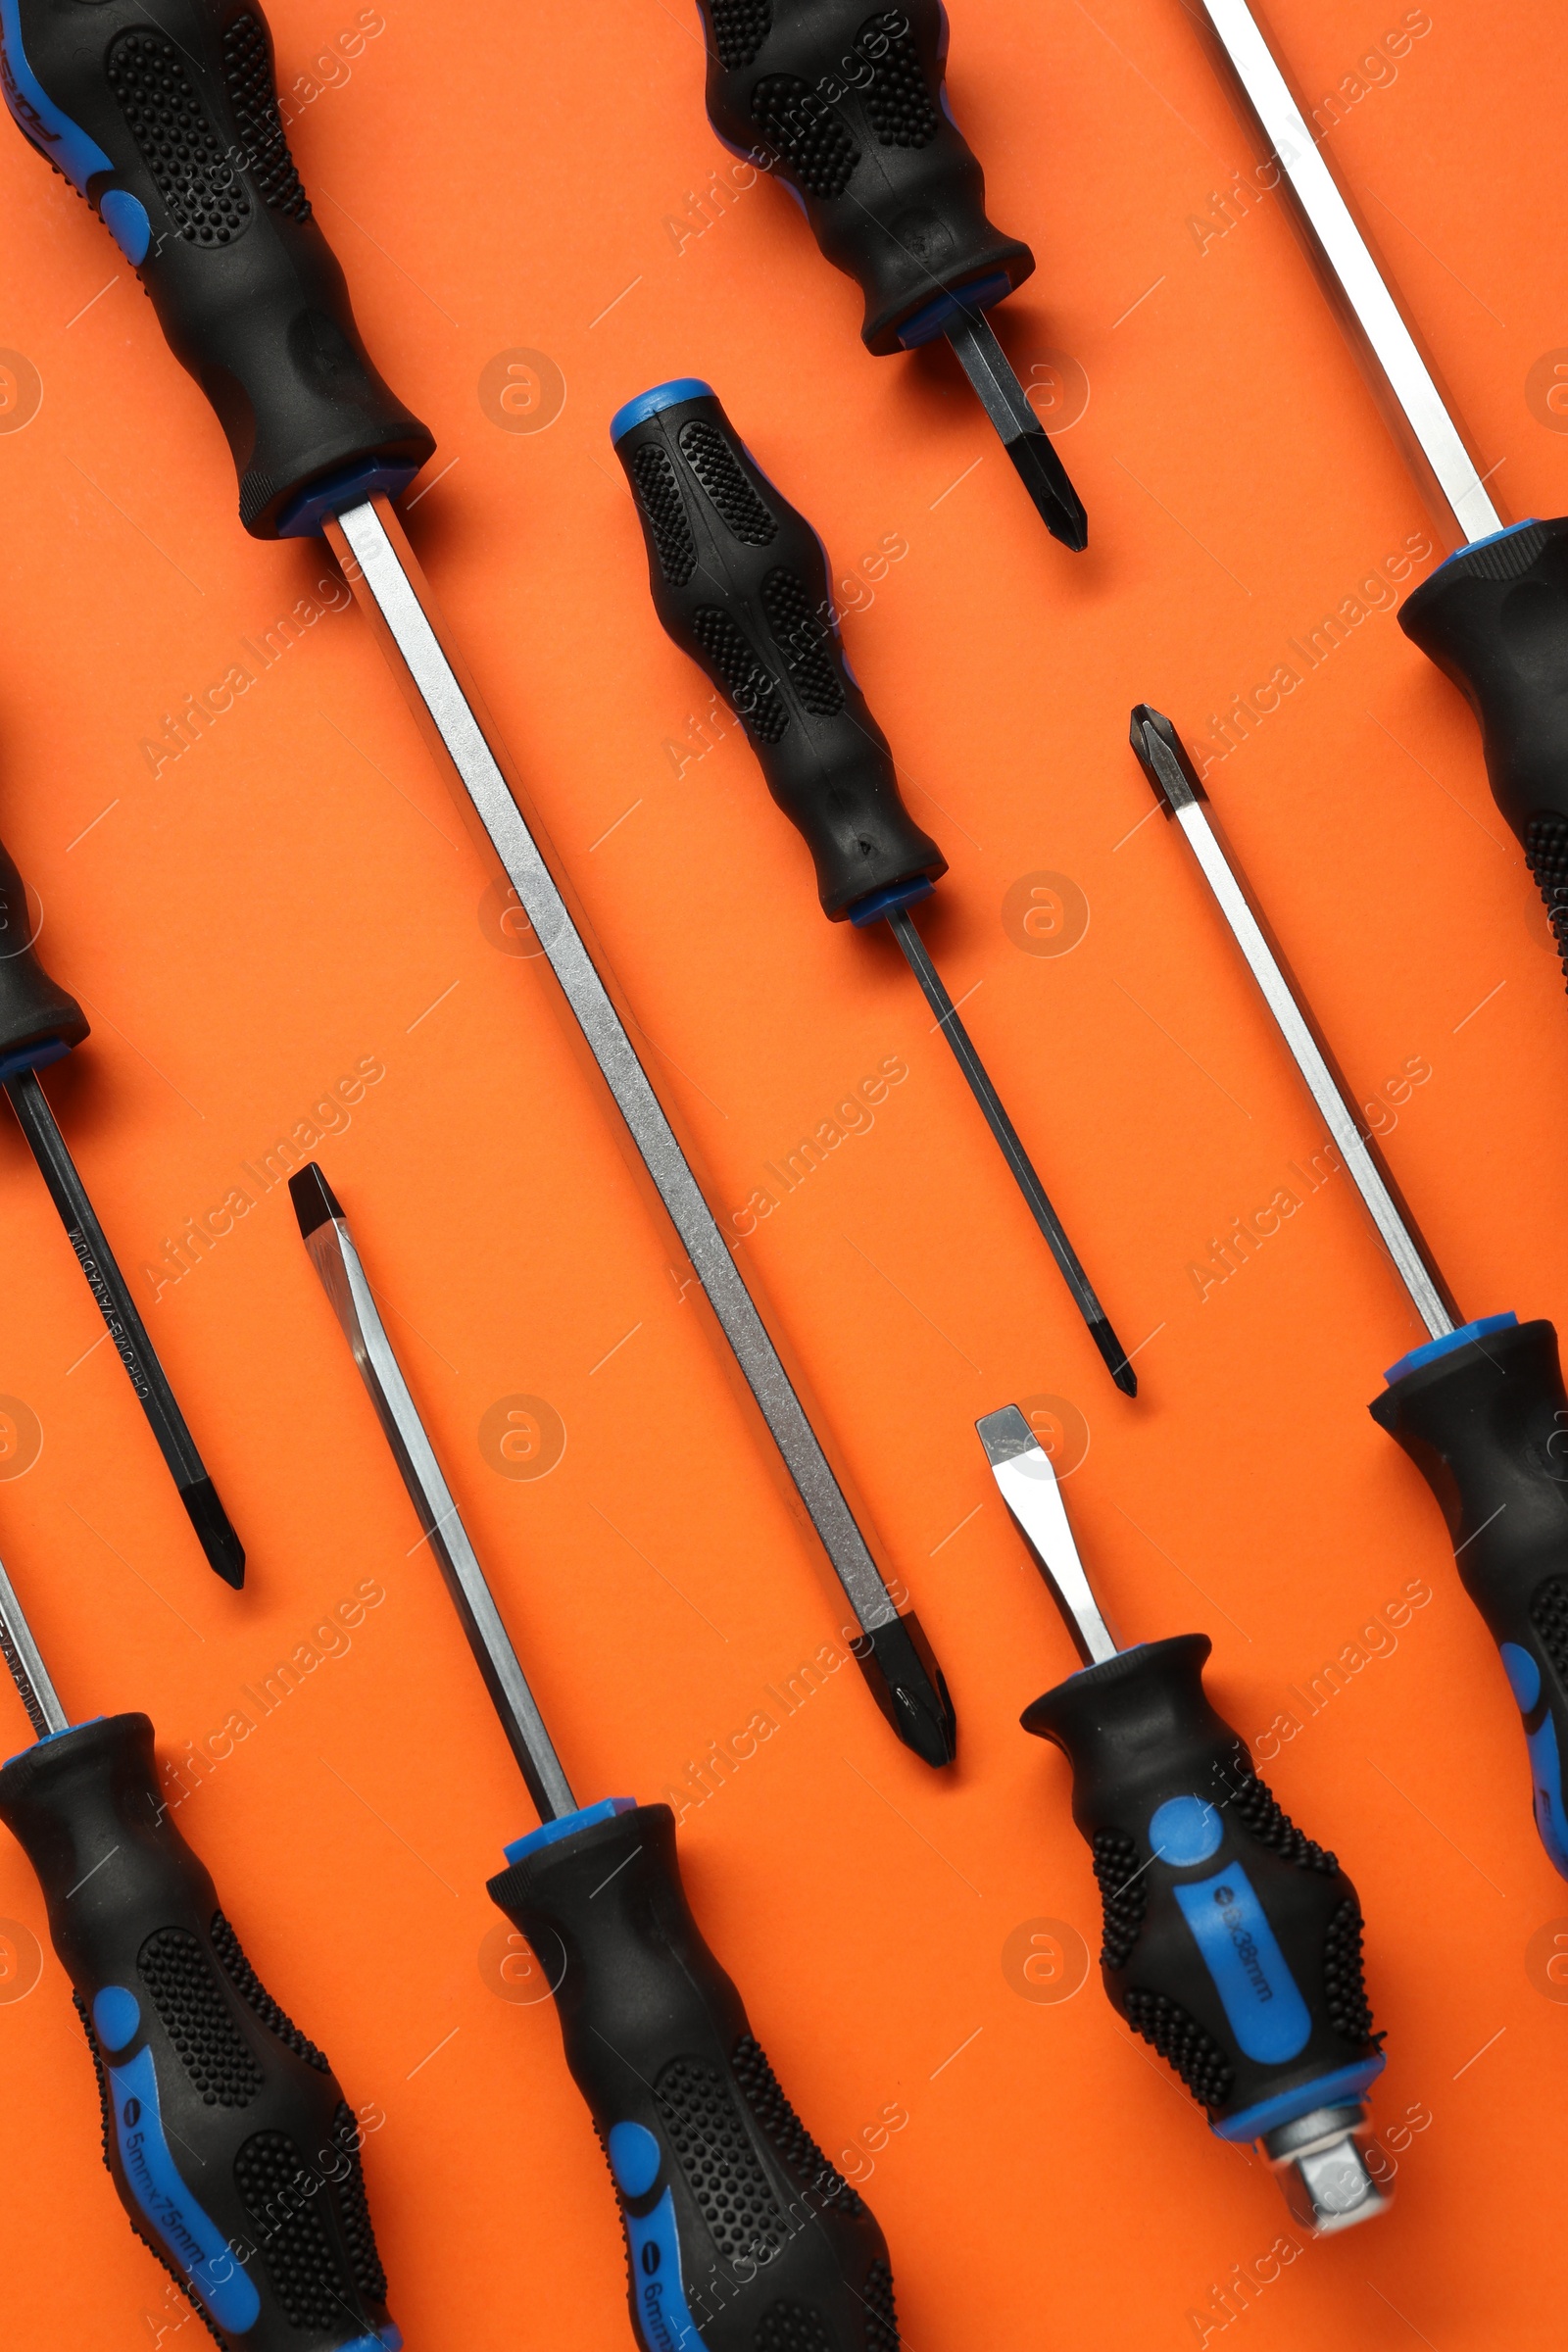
(170, 126)
(1232, 1942)
(229, 2139)
(738, 2229)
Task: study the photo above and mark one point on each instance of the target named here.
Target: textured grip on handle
(848, 105)
(164, 114)
(1494, 618)
(740, 581)
(739, 2231)
(34, 1013)
(232, 2147)
(1232, 1942)
(1486, 1423)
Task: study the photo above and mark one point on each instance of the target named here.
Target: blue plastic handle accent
(1338, 2089)
(1185, 1831)
(635, 2157)
(125, 218)
(568, 1824)
(1491, 540)
(36, 115)
(1432, 1351)
(35, 1057)
(115, 2017)
(304, 516)
(878, 902)
(44, 1741)
(1263, 1999)
(663, 2317)
(1545, 1760)
(196, 2244)
(663, 396)
(931, 319)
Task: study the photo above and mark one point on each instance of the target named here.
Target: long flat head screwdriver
(1232, 1942)
(40, 1024)
(1494, 615)
(850, 112)
(740, 581)
(226, 2134)
(1479, 1406)
(166, 118)
(739, 2231)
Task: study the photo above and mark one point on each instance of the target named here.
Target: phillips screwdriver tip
(1023, 437)
(909, 1686)
(225, 1553)
(1047, 482)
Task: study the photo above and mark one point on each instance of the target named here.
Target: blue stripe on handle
(551, 1832)
(1345, 2084)
(195, 2243)
(38, 117)
(1545, 1759)
(652, 2243)
(1432, 1350)
(1491, 540)
(1252, 1976)
(663, 396)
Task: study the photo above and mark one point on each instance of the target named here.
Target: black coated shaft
(125, 1328)
(902, 925)
(1023, 436)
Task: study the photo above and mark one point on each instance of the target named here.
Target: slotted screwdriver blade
(1023, 436)
(224, 1553)
(26, 1667)
(1022, 1470)
(902, 925)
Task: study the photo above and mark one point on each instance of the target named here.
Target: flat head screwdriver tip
(315, 1201)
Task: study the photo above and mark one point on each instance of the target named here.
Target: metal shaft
(1400, 375)
(27, 1669)
(381, 567)
(902, 925)
(337, 1263)
(125, 1328)
(1170, 771)
(1021, 1468)
(1023, 436)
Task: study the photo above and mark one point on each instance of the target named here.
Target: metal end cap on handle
(1322, 2163)
(909, 1686)
(637, 411)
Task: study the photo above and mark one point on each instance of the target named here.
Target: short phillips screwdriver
(850, 112)
(1479, 1406)
(740, 583)
(228, 2140)
(740, 2233)
(1494, 615)
(163, 115)
(40, 1024)
(1232, 1941)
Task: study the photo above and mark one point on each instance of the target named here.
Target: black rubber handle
(740, 581)
(1232, 1942)
(738, 2227)
(1495, 618)
(164, 114)
(850, 109)
(34, 1013)
(229, 2139)
(1487, 1425)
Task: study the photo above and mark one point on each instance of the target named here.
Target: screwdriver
(740, 583)
(170, 127)
(1494, 616)
(228, 2140)
(1231, 1942)
(1480, 1406)
(740, 2233)
(40, 1023)
(850, 112)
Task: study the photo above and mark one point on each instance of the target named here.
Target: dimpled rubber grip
(740, 2235)
(848, 105)
(1495, 618)
(164, 114)
(740, 583)
(1486, 1426)
(1232, 1942)
(34, 1012)
(227, 2137)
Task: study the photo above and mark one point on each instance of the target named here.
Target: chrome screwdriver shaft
(27, 1669)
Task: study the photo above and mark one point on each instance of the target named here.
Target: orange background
(295, 893)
